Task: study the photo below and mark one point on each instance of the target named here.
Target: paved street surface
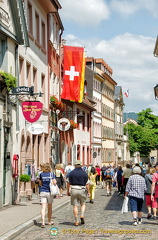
(103, 220)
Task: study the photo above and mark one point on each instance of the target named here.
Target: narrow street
(103, 220)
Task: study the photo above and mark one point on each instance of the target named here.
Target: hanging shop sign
(32, 110)
(64, 124)
(36, 129)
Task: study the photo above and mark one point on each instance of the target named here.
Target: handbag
(125, 205)
(54, 190)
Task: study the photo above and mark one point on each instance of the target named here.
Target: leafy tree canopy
(143, 137)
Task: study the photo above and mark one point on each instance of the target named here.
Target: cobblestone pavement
(103, 220)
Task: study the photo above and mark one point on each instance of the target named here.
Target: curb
(33, 221)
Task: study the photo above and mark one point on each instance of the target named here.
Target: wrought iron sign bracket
(21, 91)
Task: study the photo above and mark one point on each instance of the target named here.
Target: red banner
(73, 67)
(32, 110)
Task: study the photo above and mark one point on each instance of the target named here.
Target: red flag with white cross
(72, 77)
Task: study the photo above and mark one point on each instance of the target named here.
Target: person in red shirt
(154, 186)
(98, 170)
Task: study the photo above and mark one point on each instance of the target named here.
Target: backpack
(108, 174)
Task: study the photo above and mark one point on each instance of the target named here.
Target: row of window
(107, 132)
(108, 92)
(37, 30)
(97, 85)
(28, 76)
(107, 112)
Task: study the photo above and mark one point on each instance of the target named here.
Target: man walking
(79, 188)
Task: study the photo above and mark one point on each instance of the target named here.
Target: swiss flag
(73, 69)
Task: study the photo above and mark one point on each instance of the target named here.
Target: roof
(89, 103)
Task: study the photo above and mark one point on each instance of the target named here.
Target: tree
(147, 119)
(143, 137)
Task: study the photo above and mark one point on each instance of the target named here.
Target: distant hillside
(131, 115)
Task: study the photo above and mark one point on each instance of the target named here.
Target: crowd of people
(81, 181)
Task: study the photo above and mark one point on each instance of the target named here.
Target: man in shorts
(78, 183)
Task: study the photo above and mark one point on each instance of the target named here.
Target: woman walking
(46, 198)
(151, 205)
(59, 178)
(135, 190)
(92, 183)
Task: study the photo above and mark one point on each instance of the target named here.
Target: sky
(123, 33)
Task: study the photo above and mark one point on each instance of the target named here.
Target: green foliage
(25, 178)
(143, 137)
(9, 80)
(147, 119)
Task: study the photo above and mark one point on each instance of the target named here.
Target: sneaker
(154, 217)
(149, 216)
(139, 221)
(134, 223)
(118, 193)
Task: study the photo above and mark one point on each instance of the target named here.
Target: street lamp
(156, 92)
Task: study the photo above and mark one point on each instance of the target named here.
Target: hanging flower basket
(73, 124)
(55, 103)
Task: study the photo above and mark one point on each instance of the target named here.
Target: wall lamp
(156, 92)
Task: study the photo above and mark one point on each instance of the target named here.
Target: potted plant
(8, 80)
(73, 124)
(24, 178)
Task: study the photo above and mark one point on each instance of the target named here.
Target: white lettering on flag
(72, 73)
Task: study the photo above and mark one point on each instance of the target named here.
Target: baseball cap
(78, 162)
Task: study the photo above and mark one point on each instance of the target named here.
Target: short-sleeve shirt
(78, 177)
(136, 186)
(155, 179)
(45, 178)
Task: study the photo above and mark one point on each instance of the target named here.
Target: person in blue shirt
(78, 183)
(46, 198)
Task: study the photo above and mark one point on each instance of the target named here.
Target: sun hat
(78, 162)
(137, 170)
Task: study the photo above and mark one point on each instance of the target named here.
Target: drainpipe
(17, 76)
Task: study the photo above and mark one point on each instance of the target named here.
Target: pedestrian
(98, 170)
(109, 174)
(46, 198)
(59, 178)
(103, 177)
(154, 186)
(89, 168)
(92, 183)
(119, 181)
(37, 181)
(79, 187)
(68, 169)
(151, 205)
(127, 172)
(135, 190)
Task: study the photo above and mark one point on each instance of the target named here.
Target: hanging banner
(73, 73)
(32, 110)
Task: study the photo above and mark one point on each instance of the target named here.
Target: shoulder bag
(54, 190)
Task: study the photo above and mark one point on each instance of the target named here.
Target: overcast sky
(123, 33)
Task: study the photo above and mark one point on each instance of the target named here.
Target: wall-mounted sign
(36, 129)
(32, 110)
(22, 89)
(64, 124)
(94, 155)
(4, 17)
